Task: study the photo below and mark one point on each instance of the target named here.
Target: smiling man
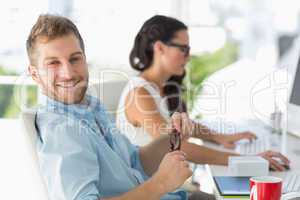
(59, 66)
(82, 155)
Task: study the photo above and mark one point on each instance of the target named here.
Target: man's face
(61, 69)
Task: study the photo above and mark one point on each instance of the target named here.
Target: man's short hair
(50, 27)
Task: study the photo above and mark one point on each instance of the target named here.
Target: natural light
(225, 36)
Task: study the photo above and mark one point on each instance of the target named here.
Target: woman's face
(176, 54)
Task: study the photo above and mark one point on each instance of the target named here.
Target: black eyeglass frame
(175, 140)
(184, 48)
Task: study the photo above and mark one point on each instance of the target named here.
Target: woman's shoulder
(137, 81)
(138, 92)
(136, 86)
(140, 85)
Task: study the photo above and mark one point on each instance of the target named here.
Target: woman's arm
(204, 155)
(142, 111)
(227, 140)
(203, 132)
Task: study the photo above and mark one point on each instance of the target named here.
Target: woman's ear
(159, 47)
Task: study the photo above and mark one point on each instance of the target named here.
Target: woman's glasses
(175, 140)
(182, 47)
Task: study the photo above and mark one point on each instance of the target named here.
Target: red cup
(265, 188)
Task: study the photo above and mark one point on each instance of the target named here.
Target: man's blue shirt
(83, 156)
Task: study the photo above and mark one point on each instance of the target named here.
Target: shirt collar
(83, 109)
(90, 111)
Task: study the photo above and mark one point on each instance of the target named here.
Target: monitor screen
(295, 94)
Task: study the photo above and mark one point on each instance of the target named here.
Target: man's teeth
(66, 85)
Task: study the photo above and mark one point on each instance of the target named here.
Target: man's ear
(34, 73)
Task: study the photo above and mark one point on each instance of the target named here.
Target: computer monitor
(294, 99)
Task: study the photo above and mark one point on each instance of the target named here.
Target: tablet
(232, 186)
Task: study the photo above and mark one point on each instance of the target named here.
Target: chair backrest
(109, 93)
(30, 134)
(28, 124)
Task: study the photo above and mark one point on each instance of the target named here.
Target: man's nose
(66, 70)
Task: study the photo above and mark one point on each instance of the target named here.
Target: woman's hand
(183, 124)
(228, 141)
(277, 161)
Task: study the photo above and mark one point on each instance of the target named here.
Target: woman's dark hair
(158, 28)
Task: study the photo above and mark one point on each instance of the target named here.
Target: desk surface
(293, 153)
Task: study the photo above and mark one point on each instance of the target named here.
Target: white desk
(293, 153)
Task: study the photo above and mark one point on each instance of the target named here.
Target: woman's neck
(153, 74)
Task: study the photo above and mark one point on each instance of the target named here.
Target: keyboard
(254, 147)
(291, 183)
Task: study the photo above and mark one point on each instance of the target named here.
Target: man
(82, 156)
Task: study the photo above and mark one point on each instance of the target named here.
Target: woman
(160, 52)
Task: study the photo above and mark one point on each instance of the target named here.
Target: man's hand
(277, 161)
(228, 141)
(172, 172)
(152, 154)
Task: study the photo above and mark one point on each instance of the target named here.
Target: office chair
(109, 93)
(27, 120)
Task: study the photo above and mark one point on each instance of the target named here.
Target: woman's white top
(137, 135)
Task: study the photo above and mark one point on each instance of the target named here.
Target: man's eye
(53, 63)
(75, 59)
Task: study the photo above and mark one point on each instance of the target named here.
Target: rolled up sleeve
(134, 154)
(136, 162)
